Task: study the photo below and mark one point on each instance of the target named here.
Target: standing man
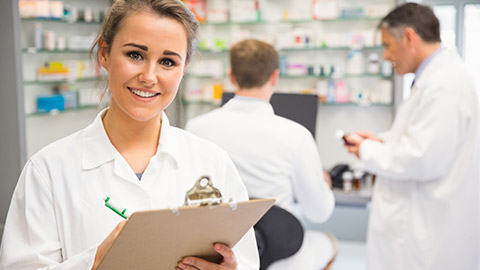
(425, 206)
(276, 157)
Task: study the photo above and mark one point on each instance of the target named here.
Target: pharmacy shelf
(201, 102)
(355, 104)
(326, 48)
(56, 112)
(340, 19)
(49, 20)
(37, 82)
(34, 51)
(302, 49)
(345, 76)
(205, 77)
(217, 103)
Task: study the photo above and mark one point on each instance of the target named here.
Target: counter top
(361, 198)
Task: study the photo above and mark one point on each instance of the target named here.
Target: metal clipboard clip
(204, 193)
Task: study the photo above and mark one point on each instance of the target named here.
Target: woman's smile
(143, 93)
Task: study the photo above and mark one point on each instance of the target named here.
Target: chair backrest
(301, 108)
(279, 235)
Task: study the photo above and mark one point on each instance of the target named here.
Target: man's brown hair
(252, 63)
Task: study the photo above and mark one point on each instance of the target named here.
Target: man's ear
(410, 35)
(232, 78)
(102, 54)
(274, 77)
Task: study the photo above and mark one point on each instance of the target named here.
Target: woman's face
(145, 65)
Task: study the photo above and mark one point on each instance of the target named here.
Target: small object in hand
(340, 134)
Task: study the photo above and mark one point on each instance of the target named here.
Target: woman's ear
(102, 54)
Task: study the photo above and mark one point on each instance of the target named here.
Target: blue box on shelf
(70, 98)
(49, 103)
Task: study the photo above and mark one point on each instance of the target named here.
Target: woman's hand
(107, 243)
(194, 263)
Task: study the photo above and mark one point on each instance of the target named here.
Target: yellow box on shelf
(53, 71)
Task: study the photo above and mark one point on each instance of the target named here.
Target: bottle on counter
(357, 179)
(347, 178)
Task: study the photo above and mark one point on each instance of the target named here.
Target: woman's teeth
(142, 93)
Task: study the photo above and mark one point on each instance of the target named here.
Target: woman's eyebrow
(142, 47)
(167, 52)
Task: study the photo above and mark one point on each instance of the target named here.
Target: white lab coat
(57, 217)
(276, 158)
(425, 210)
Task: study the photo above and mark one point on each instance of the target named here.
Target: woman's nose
(148, 76)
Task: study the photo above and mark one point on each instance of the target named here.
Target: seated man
(276, 157)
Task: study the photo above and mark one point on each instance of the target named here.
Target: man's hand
(107, 243)
(353, 141)
(194, 263)
(368, 136)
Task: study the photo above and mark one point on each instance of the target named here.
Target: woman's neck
(136, 141)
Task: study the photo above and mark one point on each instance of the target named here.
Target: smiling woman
(145, 46)
(145, 67)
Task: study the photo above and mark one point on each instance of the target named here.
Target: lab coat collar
(97, 148)
(425, 62)
(167, 143)
(433, 64)
(249, 105)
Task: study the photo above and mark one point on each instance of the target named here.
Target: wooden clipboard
(159, 239)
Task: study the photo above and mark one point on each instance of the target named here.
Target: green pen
(115, 209)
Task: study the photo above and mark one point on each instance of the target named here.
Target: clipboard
(159, 239)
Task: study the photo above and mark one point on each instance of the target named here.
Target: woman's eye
(135, 56)
(167, 62)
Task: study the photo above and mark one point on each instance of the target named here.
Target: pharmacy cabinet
(327, 47)
(60, 82)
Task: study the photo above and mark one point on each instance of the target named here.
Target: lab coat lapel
(96, 146)
(418, 88)
(164, 167)
(123, 170)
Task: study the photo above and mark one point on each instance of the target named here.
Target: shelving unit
(44, 127)
(48, 20)
(306, 76)
(55, 112)
(50, 82)
(304, 40)
(34, 51)
(339, 19)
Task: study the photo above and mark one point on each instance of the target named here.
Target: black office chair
(279, 235)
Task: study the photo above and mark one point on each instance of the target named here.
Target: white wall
(348, 118)
(42, 130)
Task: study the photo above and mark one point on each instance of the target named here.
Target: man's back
(275, 157)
